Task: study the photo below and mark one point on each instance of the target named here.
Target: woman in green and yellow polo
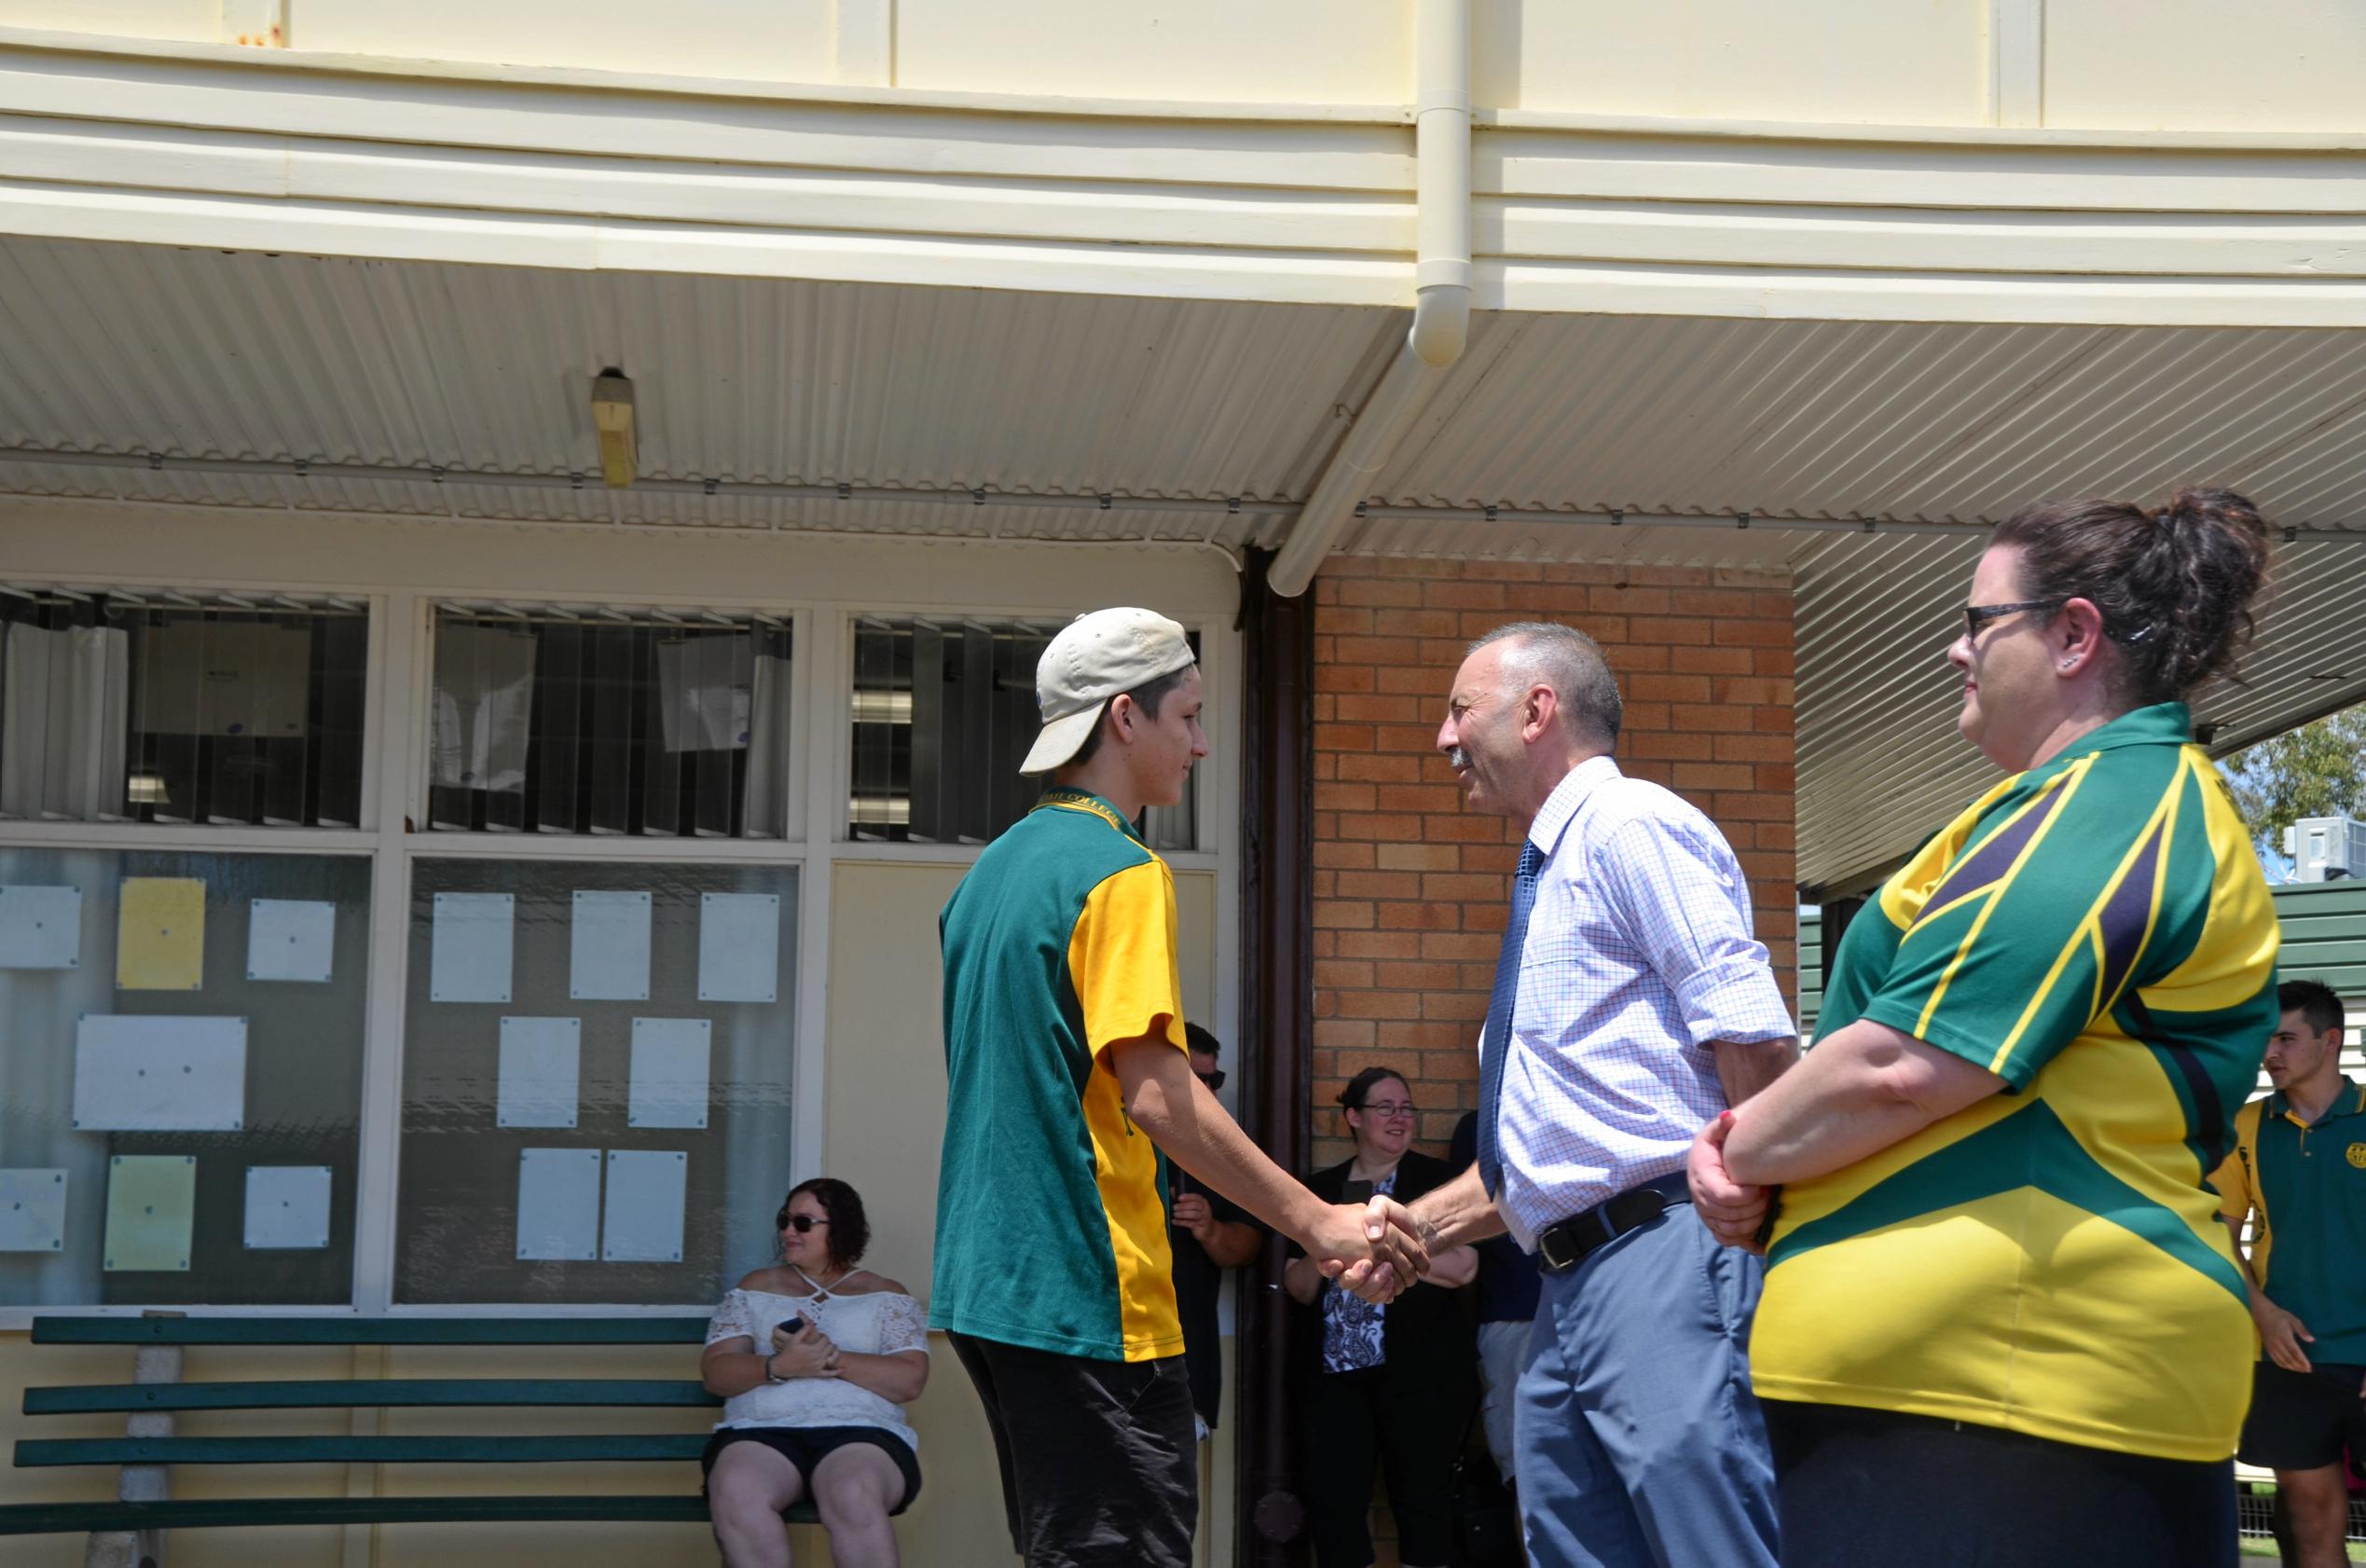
(2002, 1324)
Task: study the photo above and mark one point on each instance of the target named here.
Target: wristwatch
(771, 1376)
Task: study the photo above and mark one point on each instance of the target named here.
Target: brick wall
(1411, 887)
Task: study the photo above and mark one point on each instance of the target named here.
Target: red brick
(1690, 778)
(1415, 977)
(1380, 591)
(1385, 884)
(1773, 661)
(1754, 747)
(1344, 915)
(1733, 805)
(1753, 634)
(1349, 623)
(1343, 737)
(1708, 601)
(1416, 680)
(1655, 688)
(1461, 885)
(1419, 1037)
(1628, 600)
(1383, 709)
(1380, 944)
(1420, 856)
(1441, 593)
(1419, 623)
(1385, 767)
(1456, 946)
(1345, 797)
(1778, 775)
(1378, 825)
(1376, 1004)
(1338, 973)
(1712, 661)
(1346, 677)
(1418, 916)
(1677, 747)
(1439, 797)
(1465, 1006)
(1343, 856)
(1705, 716)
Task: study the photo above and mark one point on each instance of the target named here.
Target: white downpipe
(1441, 283)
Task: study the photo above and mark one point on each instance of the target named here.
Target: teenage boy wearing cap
(1067, 1072)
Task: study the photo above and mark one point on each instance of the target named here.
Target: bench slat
(370, 1330)
(337, 1450)
(40, 1519)
(325, 1394)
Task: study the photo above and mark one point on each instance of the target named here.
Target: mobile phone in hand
(795, 1325)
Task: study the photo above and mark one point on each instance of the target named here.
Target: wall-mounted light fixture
(612, 417)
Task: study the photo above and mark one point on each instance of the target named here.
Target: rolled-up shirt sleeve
(1677, 891)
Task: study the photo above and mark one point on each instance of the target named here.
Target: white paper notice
(290, 939)
(470, 957)
(152, 1074)
(540, 1072)
(610, 947)
(40, 928)
(287, 1206)
(647, 1190)
(33, 1211)
(558, 1204)
(669, 1072)
(738, 947)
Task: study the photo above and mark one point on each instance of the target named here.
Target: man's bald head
(1544, 654)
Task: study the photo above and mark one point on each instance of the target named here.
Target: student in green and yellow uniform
(2298, 1172)
(1066, 1075)
(2002, 1323)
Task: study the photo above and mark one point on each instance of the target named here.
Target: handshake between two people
(1375, 1249)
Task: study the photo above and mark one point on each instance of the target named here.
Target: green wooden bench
(158, 1394)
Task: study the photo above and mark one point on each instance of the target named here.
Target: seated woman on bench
(816, 1359)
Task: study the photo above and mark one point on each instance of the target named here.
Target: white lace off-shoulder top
(879, 1324)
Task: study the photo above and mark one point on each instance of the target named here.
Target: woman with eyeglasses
(2001, 1322)
(816, 1358)
(1389, 1386)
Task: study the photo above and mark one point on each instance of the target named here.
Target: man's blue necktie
(1494, 1044)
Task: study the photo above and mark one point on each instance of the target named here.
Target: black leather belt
(1564, 1244)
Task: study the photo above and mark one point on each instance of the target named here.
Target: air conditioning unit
(2326, 848)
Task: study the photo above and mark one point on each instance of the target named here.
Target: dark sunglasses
(1978, 615)
(801, 1223)
(1214, 1080)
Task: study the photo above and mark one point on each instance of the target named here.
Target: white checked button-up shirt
(1639, 954)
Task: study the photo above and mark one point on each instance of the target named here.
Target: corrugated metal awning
(1000, 415)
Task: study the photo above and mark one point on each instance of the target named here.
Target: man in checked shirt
(1631, 1005)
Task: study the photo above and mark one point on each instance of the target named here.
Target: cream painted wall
(2207, 65)
(196, 21)
(2077, 64)
(1239, 51)
(1849, 61)
(781, 40)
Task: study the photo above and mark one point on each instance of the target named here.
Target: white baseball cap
(1095, 658)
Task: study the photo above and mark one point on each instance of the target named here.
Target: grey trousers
(1640, 1443)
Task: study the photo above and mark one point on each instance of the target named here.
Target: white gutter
(1441, 283)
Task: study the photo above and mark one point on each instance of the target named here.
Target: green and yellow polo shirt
(2306, 1184)
(2096, 932)
(1051, 1220)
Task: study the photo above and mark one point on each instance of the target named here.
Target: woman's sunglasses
(801, 1223)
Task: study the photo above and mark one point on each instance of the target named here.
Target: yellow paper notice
(151, 1202)
(160, 942)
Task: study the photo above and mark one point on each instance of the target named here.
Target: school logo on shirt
(2357, 1155)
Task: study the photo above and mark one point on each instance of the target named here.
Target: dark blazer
(1426, 1335)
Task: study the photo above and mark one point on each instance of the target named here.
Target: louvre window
(666, 724)
(944, 714)
(117, 707)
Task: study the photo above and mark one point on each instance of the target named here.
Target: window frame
(394, 783)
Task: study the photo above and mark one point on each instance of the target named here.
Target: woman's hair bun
(2174, 584)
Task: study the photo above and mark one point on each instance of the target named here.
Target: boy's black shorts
(1100, 1463)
